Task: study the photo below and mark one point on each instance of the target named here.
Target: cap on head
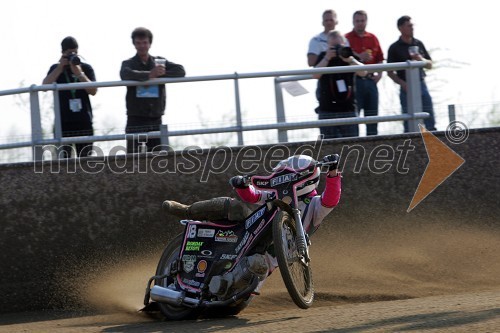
(69, 43)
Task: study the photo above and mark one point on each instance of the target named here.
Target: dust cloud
(383, 262)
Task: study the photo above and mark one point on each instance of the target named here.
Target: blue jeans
(343, 131)
(426, 107)
(367, 99)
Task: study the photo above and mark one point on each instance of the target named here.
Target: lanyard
(73, 91)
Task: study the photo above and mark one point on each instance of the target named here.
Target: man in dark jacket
(406, 48)
(336, 93)
(75, 106)
(146, 104)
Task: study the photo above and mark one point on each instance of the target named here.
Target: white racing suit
(314, 207)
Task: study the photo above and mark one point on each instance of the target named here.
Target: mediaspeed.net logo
(443, 161)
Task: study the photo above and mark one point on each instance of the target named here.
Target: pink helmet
(302, 163)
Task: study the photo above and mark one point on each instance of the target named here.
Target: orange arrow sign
(443, 162)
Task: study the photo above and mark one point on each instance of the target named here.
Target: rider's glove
(238, 182)
(333, 160)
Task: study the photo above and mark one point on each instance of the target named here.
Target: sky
(223, 37)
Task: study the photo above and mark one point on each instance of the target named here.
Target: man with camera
(75, 106)
(336, 95)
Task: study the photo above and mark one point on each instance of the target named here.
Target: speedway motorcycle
(209, 268)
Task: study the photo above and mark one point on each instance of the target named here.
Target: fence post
(57, 115)
(451, 113)
(164, 135)
(280, 110)
(36, 124)
(57, 121)
(238, 109)
(414, 96)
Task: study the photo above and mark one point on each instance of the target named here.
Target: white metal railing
(413, 117)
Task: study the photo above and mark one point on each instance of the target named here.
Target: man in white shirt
(319, 43)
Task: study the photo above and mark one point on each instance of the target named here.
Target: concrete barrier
(60, 218)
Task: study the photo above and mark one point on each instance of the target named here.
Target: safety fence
(37, 142)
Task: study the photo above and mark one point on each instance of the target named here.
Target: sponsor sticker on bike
(201, 267)
(262, 183)
(207, 233)
(227, 236)
(251, 220)
(259, 227)
(191, 231)
(228, 256)
(188, 262)
(206, 254)
(242, 243)
(193, 246)
(289, 177)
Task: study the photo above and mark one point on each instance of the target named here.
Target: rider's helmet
(302, 164)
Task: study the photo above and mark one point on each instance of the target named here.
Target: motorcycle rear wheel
(170, 254)
(296, 273)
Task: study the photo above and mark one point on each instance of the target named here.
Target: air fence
(37, 142)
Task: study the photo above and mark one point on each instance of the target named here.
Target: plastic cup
(413, 50)
(160, 62)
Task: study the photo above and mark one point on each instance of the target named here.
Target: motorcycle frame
(282, 200)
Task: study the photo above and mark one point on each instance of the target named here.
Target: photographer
(336, 97)
(75, 107)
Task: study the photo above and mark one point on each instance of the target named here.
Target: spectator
(146, 104)
(75, 107)
(367, 47)
(336, 97)
(319, 43)
(399, 51)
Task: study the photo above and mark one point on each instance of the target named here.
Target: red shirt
(368, 41)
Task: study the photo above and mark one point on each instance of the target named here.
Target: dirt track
(378, 279)
(478, 312)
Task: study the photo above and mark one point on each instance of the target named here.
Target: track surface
(371, 279)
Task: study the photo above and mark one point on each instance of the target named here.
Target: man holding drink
(146, 104)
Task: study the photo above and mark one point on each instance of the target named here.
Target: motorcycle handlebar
(325, 162)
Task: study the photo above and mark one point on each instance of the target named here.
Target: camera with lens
(74, 59)
(343, 51)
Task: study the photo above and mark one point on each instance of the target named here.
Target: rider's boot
(175, 208)
(213, 209)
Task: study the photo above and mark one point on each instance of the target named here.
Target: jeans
(142, 124)
(367, 99)
(72, 129)
(343, 131)
(426, 107)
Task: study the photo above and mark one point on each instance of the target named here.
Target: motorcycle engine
(241, 276)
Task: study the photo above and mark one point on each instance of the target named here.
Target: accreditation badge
(75, 104)
(147, 92)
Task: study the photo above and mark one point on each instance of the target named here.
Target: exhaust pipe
(178, 298)
(165, 295)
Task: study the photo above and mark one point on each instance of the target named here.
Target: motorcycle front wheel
(295, 271)
(169, 255)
